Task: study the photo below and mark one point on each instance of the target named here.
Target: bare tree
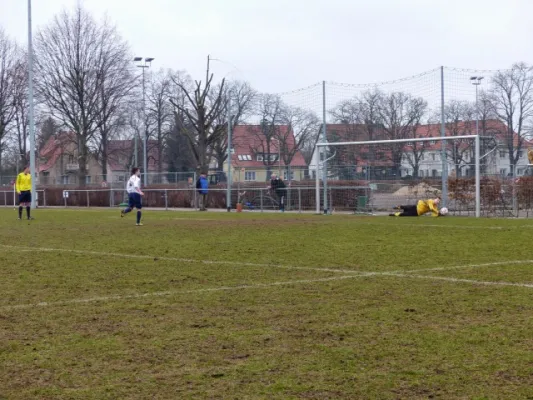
(21, 105)
(414, 152)
(266, 145)
(9, 59)
(511, 98)
(301, 128)
(242, 99)
(459, 120)
(83, 76)
(203, 108)
(398, 114)
(159, 111)
(360, 120)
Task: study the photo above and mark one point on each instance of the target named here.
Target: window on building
(434, 173)
(249, 176)
(87, 179)
(260, 157)
(433, 156)
(422, 157)
(65, 180)
(286, 176)
(433, 142)
(239, 157)
(409, 143)
(71, 159)
(503, 171)
(503, 154)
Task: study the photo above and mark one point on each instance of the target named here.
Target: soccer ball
(443, 211)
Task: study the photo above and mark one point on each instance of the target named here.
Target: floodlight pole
(147, 62)
(228, 183)
(324, 140)
(31, 109)
(476, 81)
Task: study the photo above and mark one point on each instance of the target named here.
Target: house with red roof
(57, 161)
(419, 158)
(257, 152)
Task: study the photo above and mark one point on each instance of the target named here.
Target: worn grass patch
(247, 306)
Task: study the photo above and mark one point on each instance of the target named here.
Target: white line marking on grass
(179, 292)
(461, 280)
(183, 260)
(466, 266)
(422, 225)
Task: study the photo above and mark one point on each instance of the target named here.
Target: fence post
(261, 197)
(300, 200)
(44, 198)
(5, 198)
(194, 190)
(166, 200)
(87, 198)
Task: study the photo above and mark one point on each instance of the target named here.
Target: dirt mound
(420, 190)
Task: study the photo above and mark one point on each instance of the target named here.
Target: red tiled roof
(53, 148)
(248, 140)
(354, 132)
(116, 150)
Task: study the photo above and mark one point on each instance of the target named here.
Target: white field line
(177, 259)
(466, 266)
(422, 225)
(245, 264)
(178, 292)
(459, 280)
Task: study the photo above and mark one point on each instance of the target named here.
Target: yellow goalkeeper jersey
(425, 206)
(23, 182)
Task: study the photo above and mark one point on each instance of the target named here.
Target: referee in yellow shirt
(23, 188)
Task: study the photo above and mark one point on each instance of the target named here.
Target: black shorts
(25, 197)
(135, 201)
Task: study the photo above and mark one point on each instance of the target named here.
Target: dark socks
(139, 217)
(20, 211)
(28, 212)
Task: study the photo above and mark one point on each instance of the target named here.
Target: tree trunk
(82, 160)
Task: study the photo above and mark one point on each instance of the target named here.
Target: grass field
(273, 306)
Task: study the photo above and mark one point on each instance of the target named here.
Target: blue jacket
(202, 185)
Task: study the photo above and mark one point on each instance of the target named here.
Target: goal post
(393, 162)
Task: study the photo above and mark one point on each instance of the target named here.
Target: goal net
(374, 176)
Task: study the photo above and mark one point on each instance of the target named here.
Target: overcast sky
(281, 45)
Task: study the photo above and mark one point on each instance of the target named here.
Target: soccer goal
(377, 175)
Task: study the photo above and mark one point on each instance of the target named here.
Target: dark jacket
(278, 186)
(202, 184)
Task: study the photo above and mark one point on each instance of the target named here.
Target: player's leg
(407, 211)
(28, 204)
(131, 204)
(138, 206)
(21, 205)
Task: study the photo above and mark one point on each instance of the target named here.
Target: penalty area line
(180, 292)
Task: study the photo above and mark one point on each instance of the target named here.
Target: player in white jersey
(133, 187)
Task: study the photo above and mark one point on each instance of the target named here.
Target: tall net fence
(278, 137)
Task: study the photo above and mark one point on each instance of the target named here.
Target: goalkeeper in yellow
(23, 188)
(421, 208)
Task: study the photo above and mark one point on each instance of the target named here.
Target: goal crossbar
(477, 156)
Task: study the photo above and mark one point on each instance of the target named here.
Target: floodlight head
(480, 78)
(149, 59)
(137, 59)
(473, 78)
